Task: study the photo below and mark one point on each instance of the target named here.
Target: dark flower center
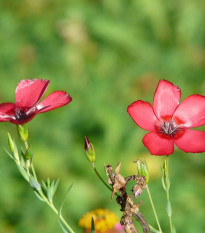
(23, 115)
(169, 128)
(20, 114)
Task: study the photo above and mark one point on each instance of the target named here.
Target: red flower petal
(143, 115)
(192, 111)
(166, 99)
(29, 92)
(192, 141)
(6, 111)
(56, 99)
(157, 145)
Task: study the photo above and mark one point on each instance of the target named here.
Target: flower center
(20, 114)
(169, 128)
(23, 115)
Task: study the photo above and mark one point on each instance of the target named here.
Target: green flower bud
(23, 132)
(165, 176)
(28, 154)
(143, 170)
(89, 150)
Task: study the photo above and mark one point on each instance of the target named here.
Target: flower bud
(23, 132)
(89, 150)
(28, 154)
(165, 176)
(143, 170)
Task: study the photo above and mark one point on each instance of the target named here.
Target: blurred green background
(105, 54)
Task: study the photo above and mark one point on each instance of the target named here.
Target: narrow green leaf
(174, 229)
(38, 196)
(23, 172)
(16, 153)
(49, 194)
(9, 154)
(44, 186)
(154, 230)
(34, 184)
(168, 183)
(60, 211)
(62, 227)
(169, 209)
(48, 183)
(52, 184)
(92, 226)
(11, 142)
(55, 186)
(22, 162)
(163, 184)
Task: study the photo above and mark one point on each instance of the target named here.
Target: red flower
(27, 105)
(169, 121)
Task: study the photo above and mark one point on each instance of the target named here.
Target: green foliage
(61, 207)
(105, 54)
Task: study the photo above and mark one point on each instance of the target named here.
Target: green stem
(50, 204)
(101, 179)
(154, 210)
(32, 167)
(167, 192)
(152, 228)
(55, 211)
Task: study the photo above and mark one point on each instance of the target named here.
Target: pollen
(103, 220)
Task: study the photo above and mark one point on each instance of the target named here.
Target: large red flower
(27, 105)
(169, 121)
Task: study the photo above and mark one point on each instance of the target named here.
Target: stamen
(20, 114)
(168, 128)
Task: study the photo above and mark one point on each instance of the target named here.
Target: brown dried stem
(128, 207)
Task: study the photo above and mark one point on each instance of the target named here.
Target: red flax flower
(169, 121)
(27, 105)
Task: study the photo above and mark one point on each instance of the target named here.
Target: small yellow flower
(103, 220)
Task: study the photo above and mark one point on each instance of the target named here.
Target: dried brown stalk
(128, 207)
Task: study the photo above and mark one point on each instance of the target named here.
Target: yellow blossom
(103, 220)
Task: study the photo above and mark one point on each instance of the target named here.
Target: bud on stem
(89, 150)
(143, 170)
(28, 154)
(165, 176)
(23, 132)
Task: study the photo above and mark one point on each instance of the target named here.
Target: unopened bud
(89, 150)
(28, 154)
(143, 170)
(165, 176)
(23, 132)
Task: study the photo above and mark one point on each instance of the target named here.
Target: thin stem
(154, 210)
(56, 211)
(26, 145)
(167, 192)
(31, 165)
(51, 205)
(152, 228)
(33, 171)
(99, 176)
